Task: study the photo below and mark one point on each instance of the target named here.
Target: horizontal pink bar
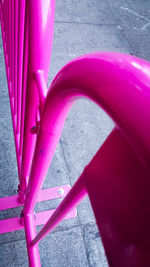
(45, 194)
(43, 216)
(14, 224)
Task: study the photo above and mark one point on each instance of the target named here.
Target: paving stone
(8, 166)
(64, 248)
(85, 212)
(86, 128)
(133, 17)
(87, 11)
(94, 247)
(13, 254)
(3, 80)
(14, 236)
(58, 172)
(72, 40)
(135, 7)
(140, 39)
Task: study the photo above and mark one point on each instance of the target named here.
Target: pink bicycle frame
(118, 177)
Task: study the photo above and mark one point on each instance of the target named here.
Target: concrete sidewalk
(80, 27)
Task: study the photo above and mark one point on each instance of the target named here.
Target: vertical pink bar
(21, 18)
(23, 182)
(1, 15)
(8, 35)
(2, 21)
(5, 35)
(72, 199)
(7, 38)
(24, 81)
(12, 48)
(30, 231)
(41, 20)
(15, 55)
(10, 69)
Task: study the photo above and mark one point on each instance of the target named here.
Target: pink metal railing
(27, 53)
(117, 179)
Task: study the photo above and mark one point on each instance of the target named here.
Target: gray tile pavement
(81, 27)
(73, 39)
(95, 251)
(92, 12)
(133, 17)
(64, 248)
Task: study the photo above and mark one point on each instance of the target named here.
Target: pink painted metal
(27, 56)
(16, 223)
(44, 194)
(112, 81)
(21, 22)
(40, 35)
(117, 179)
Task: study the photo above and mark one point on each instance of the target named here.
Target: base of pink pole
(13, 224)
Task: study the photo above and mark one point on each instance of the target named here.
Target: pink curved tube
(120, 85)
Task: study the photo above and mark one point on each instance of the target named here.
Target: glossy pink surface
(40, 32)
(44, 194)
(15, 223)
(118, 178)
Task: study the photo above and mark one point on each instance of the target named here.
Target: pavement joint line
(56, 230)
(85, 23)
(69, 171)
(86, 251)
(67, 165)
(122, 28)
(134, 13)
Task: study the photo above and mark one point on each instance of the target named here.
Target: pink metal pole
(6, 34)
(24, 79)
(19, 74)
(73, 198)
(10, 43)
(15, 57)
(42, 88)
(2, 24)
(5, 11)
(12, 52)
(7, 38)
(106, 78)
(41, 20)
(21, 19)
(30, 231)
